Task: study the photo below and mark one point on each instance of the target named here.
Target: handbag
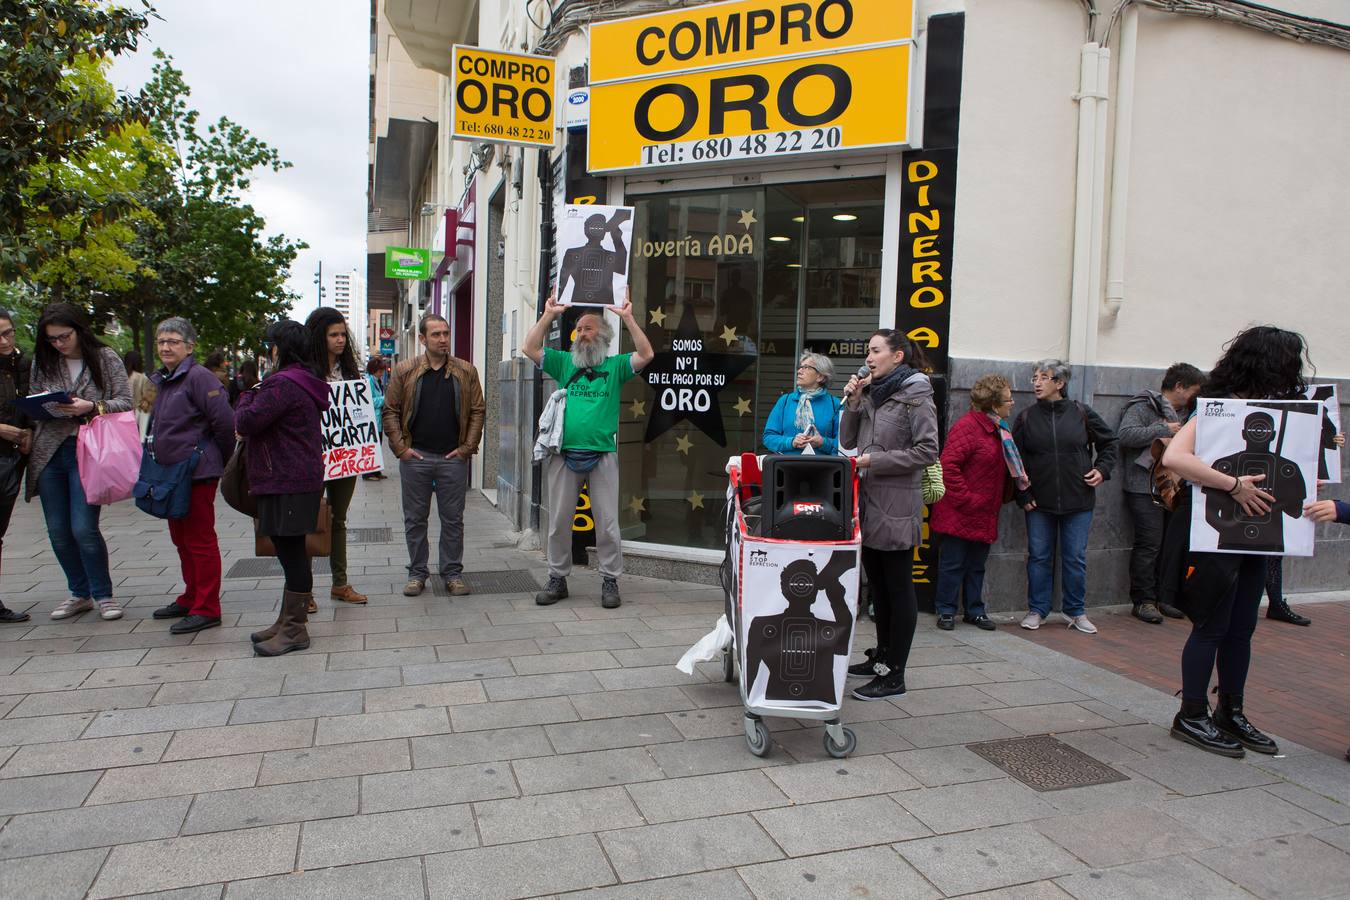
(165, 492)
(318, 542)
(234, 484)
(108, 453)
(933, 488)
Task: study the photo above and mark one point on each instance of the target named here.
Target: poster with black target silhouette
(1280, 440)
(1329, 464)
(593, 246)
(798, 605)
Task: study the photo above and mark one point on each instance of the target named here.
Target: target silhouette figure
(591, 268)
(1237, 529)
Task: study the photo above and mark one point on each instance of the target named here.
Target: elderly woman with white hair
(808, 416)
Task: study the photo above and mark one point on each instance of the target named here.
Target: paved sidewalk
(485, 747)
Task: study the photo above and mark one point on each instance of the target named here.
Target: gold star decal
(638, 408)
(658, 317)
(748, 218)
(695, 500)
(742, 406)
(637, 506)
(729, 335)
(682, 444)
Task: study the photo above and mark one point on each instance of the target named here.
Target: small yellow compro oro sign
(498, 96)
(750, 79)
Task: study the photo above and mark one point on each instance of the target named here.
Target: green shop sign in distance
(407, 262)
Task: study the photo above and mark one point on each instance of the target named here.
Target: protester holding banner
(335, 360)
(16, 435)
(191, 413)
(808, 416)
(279, 422)
(889, 417)
(69, 357)
(1221, 592)
(374, 371)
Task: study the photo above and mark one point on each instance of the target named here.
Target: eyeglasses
(6, 334)
(60, 338)
(808, 366)
(1043, 376)
(169, 342)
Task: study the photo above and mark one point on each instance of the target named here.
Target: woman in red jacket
(979, 458)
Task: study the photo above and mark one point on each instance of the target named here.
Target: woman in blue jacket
(809, 416)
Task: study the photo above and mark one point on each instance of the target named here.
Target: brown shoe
(291, 632)
(457, 587)
(348, 594)
(414, 587)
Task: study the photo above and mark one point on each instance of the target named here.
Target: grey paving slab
(146, 673)
(422, 696)
(95, 826)
(681, 848)
(704, 757)
(1324, 775)
(865, 872)
(87, 700)
(458, 670)
(646, 677)
(43, 729)
(925, 677)
(522, 687)
(199, 859)
(937, 766)
(807, 744)
(631, 702)
(1247, 815)
(1114, 837)
(441, 750)
(31, 684)
(1100, 747)
(272, 805)
(987, 859)
(395, 878)
(1151, 879)
(1032, 890)
(449, 651)
(706, 796)
(706, 722)
(55, 662)
(949, 729)
(1337, 837)
(549, 866)
(391, 835)
(314, 763)
(1313, 802)
(44, 792)
(960, 807)
(322, 682)
(723, 885)
(547, 663)
(234, 739)
(1033, 692)
(1050, 718)
(78, 756)
(836, 779)
(175, 717)
(437, 787)
(576, 771)
(555, 815)
(258, 666)
(512, 714)
(296, 706)
(372, 659)
(609, 734)
(934, 701)
(582, 643)
(1191, 771)
(374, 726)
(840, 825)
(56, 876)
(176, 778)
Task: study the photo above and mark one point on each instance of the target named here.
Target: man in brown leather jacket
(433, 416)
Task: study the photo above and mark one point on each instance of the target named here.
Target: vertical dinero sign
(750, 79)
(505, 97)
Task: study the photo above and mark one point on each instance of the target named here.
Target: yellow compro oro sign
(750, 79)
(506, 97)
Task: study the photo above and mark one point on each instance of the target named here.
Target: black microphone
(862, 373)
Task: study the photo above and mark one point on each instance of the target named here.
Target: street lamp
(318, 279)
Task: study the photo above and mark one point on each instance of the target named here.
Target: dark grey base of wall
(1106, 389)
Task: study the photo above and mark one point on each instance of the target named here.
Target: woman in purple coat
(279, 419)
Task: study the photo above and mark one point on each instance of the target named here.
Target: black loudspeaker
(807, 498)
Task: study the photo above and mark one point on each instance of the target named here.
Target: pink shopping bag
(109, 455)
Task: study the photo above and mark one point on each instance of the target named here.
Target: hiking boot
(72, 606)
(270, 630)
(982, 622)
(868, 668)
(946, 622)
(1228, 718)
(291, 633)
(1193, 726)
(347, 594)
(194, 623)
(609, 593)
(1147, 612)
(555, 590)
(457, 587)
(1032, 620)
(882, 687)
(414, 587)
(174, 610)
(1279, 611)
(1082, 623)
(1170, 611)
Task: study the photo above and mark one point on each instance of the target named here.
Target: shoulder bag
(234, 484)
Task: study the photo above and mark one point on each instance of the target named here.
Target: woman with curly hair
(1221, 592)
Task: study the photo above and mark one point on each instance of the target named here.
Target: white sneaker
(109, 609)
(1032, 621)
(72, 606)
(1082, 624)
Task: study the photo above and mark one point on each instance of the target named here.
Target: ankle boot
(1279, 611)
(1194, 726)
(270, 630)
(1228, 718)
(291, 633)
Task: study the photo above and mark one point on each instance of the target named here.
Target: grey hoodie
(1144, 419)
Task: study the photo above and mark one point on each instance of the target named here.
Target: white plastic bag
(707, 648)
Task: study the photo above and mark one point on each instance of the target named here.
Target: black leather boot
(1229, 719)
(1194, 726)
(1279, 611)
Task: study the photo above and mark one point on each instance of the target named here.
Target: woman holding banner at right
(1221, 592)
(334, 360)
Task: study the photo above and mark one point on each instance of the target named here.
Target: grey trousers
(563, 486)
(447, 479)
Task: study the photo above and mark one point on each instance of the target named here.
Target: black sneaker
(609, 593)
(984, 623)
(867, 668)
(882, 687)
(555, 590)
(194, 623)
(946, 622)
(174, 610)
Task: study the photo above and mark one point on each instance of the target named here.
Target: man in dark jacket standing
(433, 415)
(1147, 416)
(1068, 450)
(16, 435)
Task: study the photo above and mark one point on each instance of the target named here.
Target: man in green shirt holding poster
(593, 380)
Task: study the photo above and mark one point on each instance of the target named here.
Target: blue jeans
(961, 571)
(1070, 532)
(72, 526)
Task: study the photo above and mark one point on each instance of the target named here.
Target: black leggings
(1275, 579)
(1226, 638)
(294, 563)
(890, 575)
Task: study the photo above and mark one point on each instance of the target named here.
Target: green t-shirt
(591, 416)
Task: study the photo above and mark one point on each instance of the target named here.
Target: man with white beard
(593, 380)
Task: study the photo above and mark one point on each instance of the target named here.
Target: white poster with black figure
(799, 602)
(1329, 464)
(1277, 439)
(593, 245)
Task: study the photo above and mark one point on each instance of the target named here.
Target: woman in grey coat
(889, 418)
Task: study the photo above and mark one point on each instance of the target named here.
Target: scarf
(1010, 454)
(806, 414)
(881, 391)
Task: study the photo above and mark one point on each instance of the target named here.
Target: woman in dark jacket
(890, 418)
(191, 410)
(977, 462)
(280, 420)
(1069, 450)
(16, 435)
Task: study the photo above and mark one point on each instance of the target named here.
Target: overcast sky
(296, 74)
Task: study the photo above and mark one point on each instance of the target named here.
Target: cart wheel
(757, 737)
(728, 665)
(839, 751)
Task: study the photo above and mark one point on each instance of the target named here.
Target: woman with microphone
(890, 419)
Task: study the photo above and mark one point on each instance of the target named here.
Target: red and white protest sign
(351, 434)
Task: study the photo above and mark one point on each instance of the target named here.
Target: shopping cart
(790, 578)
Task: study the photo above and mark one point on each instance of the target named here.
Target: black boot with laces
(1194, 726)
(1228, 718)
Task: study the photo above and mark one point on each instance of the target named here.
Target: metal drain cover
(269, 567)
(381, 535)
(1046, 764)
(508, 581)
